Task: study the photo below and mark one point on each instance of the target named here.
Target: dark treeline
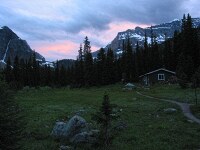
(180, 53)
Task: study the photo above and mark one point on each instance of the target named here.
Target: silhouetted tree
(105, 118)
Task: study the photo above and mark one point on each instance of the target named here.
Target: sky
(55, 28)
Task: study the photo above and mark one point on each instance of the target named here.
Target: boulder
(63, 147)
(58, 130)
(89, 137)
(67, 130)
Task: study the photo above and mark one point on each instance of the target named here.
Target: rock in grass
(58, 130)
(62, 147)
(170, 110)
(67, 130)
(89, 137)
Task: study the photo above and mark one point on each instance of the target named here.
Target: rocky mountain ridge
(11, 46)
(161, 32)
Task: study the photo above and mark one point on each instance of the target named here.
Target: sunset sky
(55, 28)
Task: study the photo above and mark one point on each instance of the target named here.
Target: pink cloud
(116, 27)
(57, 49)
(66, 49)
(104, 37)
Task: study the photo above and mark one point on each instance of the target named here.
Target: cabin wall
(153, 78)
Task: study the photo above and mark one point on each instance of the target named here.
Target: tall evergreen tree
(145, 55)
(79, 69)
(177, 43)
(101, 67)
(87, 47)
(62, 76)
(88, 63)
(137, 59)
(35, 70)
(104, 118)
(16, 69)
(22, 70)
(110, 67)
(129, 61)
(56, 73)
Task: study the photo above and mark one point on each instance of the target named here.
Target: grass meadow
(148, 126)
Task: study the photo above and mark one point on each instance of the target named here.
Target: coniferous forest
(180, 53)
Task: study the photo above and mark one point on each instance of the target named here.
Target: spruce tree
(16, 69)
(56, 73)
(62, 76)
(101, 67)
(110, 70)
(79, 67)
(177, 46)
(189, 46)
(129, 61)
(138, 68)
(87, 47)
(23, 76)
(122, 61)
(185, 69)
(88, 63)
(35, 70)
(104, 118)
(145, 55)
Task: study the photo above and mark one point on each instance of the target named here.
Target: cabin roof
(161, 69)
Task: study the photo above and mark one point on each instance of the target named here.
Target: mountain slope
(161, 31)
(11, 45)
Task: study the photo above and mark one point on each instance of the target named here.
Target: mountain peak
(161, 31)
(6, 31)
(6, 28)
(11, 45)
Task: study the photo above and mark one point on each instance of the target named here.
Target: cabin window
(161, 77)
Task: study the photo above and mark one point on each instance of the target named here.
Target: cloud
(74, 16)
(50, 21)
(56, 50)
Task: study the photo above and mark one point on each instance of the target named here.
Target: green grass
(148, 126)
(173, 92)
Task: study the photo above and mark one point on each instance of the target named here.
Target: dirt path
(184, 106)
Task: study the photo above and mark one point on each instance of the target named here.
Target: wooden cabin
(156, 76)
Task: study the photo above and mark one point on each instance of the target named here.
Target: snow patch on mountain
(161, 32)
(174, 20)
(4, 57)
(48, 64)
